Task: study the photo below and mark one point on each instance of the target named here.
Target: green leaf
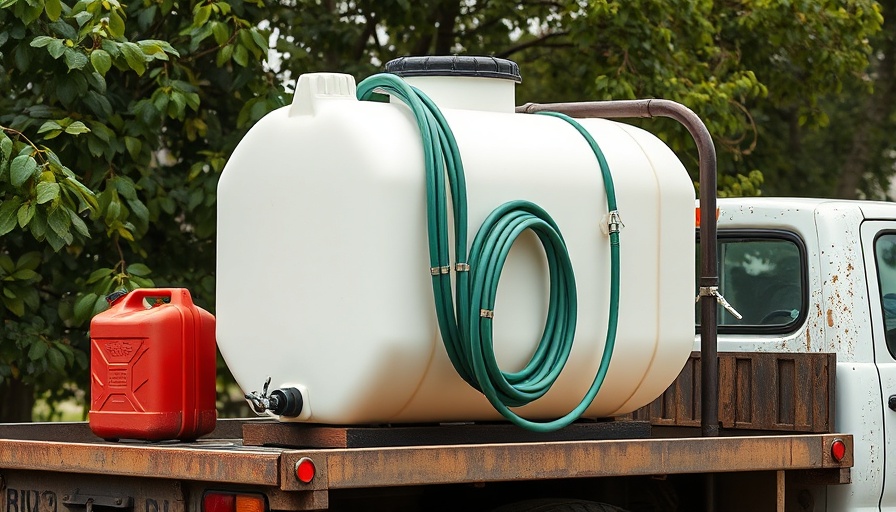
(124, 186)
(259, 39)
(116, 24)
(134, 57)
(6, 264)
(138, 209)
(31, 297)
(83, 306)
(38, 350)
(133, 146)
(113, 210)
(97, 82)
(16, 306)
(241, 56)
(203, 12)
(224, 55)
(57, 242)
(38, 224)
(25, 274)
(98, 274)
(74, 59)
(47, 191)
(221, 32)
(26, 213)
(99, 305)
(8, 210)
(56, 359)
(53, 8)
(5, 147)
(21, 169)
(146, 16)
(64, 30)
(56, 48)
(77, 128)
(79, 224)
(23, 59)
(140, 282)
(41, 41)
(30, 260)
(83, 17)
(59, 222)
(138, 269)
(48, 126)
(101, 61)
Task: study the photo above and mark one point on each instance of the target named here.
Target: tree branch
(529, 44)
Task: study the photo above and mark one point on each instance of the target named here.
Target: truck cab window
(762, 276)
(885, 256)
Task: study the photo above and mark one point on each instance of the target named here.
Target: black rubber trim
(455, 65)
(891, 346)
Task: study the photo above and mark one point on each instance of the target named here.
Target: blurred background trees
(116, 121)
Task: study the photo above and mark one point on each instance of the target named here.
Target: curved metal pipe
(709, 365)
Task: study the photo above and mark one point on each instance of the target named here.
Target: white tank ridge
(323, 268)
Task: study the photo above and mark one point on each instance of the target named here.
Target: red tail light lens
(215, 501)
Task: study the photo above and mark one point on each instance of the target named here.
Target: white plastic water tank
(323, 278)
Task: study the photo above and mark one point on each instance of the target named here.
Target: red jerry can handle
(134, 299)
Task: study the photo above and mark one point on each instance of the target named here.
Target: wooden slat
(757, 391)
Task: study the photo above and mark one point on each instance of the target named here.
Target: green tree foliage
(116, 119)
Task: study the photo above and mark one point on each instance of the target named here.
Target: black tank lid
(455, 65)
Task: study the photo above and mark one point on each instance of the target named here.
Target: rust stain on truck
(830, 317)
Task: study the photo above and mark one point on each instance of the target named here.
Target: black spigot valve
(282, 402)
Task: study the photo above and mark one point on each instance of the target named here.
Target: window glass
(762, 278)
(885, 255)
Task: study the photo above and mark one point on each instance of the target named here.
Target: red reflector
(305, 470)
(218, 502)
(697, 216)
(838, 449)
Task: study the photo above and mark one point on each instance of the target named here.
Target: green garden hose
(466, 326)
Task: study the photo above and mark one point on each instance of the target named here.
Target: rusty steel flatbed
(228, 461)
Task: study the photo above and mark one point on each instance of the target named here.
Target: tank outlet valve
(282, 402)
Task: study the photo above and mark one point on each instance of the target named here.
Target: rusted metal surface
(379, 467)
(45, 491)
(308, 500)
(792, 392)
(299, 435)
(832, 476)
(79, 431)
(218, 462)
(709, 273)
(779, 477)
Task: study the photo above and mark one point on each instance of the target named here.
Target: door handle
(891, 402)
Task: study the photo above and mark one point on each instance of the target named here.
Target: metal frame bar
(409, 466)
(345, 468)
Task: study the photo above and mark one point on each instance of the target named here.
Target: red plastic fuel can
(152, 366)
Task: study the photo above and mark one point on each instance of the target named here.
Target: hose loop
(466, 326)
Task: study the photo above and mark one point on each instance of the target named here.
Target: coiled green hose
(466, 327)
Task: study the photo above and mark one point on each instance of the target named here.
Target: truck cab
(814, 275)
